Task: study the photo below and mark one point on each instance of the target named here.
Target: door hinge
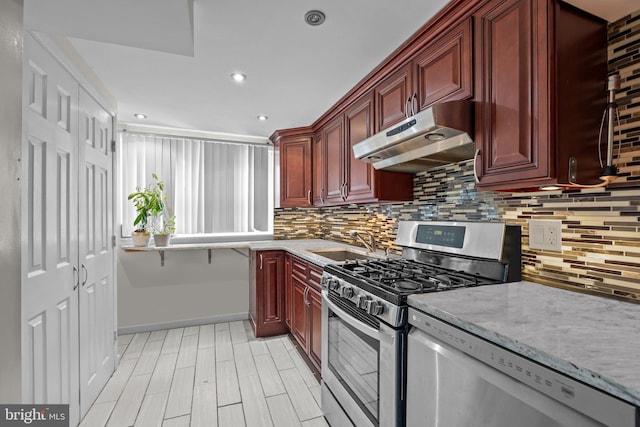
(113, 241)
(115, 335)
(113, 146)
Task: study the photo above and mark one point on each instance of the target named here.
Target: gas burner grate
(406, 276)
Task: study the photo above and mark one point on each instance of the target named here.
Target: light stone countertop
(593, 339)
(298, 248)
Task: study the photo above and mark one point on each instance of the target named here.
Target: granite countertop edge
(545, 358)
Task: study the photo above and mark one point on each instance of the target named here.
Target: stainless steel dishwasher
(455, 379)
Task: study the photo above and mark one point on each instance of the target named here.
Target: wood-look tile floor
(210, 375)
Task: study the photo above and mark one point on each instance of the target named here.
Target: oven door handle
(367, 330)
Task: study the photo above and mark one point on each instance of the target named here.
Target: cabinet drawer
(315, 277)
(299, 268)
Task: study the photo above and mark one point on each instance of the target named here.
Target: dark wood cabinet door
(512, 123)
(393, 98)
(333, 135)
(295, 172)
(358, 123)
(299, 311)
(269, 294)
(443, 71)
(315, 327)
(319, 170)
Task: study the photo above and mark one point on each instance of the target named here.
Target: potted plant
(162, 234)
(149, 203)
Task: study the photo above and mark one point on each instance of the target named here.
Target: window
(212, 187)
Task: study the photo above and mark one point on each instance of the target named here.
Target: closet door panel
(50, 247)
(97, 325)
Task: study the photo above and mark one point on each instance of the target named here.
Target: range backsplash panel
(600, 227)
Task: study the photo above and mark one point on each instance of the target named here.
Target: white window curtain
(211, 186)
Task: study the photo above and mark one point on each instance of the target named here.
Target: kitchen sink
(341, 254)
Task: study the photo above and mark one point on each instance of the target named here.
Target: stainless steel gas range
(365, 312)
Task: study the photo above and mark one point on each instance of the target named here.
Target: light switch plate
(545, 234)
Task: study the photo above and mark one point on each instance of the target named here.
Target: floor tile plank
(282, 411)
(177, 422)
(98, 414)
(112, 390)
(188, 352)
(238, 334)
(269, 377)
(126, 410)
(136, 345)
(256, 410)
(227, 381)
(316, 422)
(191, 330)
(245, 364)
(280, 355)
(204, 411)
(172, 341)
(258, 346)
(158, 335)
(181, 393)
(152, 410)
(163, 374)
(231, 416)
(206, 366)
(148, 359)
(224, 349)
(207, 336)
(301, 398)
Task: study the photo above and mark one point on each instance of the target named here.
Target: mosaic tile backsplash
(600, 228)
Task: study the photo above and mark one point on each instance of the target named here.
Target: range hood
(434, 137)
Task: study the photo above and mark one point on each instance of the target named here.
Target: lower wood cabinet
(306, 308)
(267, 293)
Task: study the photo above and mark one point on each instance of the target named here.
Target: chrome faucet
(369, 243)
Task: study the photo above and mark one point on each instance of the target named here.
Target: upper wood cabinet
(539, 99)
(393, 97)
(349, 180)
(295, 171)
(443, 71)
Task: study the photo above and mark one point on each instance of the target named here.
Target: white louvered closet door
(50, 241)
(97, 337)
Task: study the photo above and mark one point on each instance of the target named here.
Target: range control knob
(376, 308)
(346, 292)
(334, 284)
(364, 302)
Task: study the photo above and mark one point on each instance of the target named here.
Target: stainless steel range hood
(434, 137)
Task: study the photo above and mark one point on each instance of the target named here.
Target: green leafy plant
(149, 203)
(168, 225)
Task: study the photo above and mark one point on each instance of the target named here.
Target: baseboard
(233, 317)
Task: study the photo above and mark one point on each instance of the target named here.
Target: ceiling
(172, 59)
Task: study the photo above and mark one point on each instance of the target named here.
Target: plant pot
(140, 238)
(161, 239)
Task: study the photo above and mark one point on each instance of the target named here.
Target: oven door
(362, 366)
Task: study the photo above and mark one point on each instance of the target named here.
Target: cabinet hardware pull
(260, 261)
(407, 106)
(343, 191)
(309, 197)
(76, 278)
(475, 170)
(414, 104)
(86, 275)
(306, 296)
(322, 196)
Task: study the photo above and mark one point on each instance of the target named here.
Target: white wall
(10, 147)
(186, 291)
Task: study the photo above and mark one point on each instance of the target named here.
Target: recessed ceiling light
(238, 77)
(140, 116)
(314, 18)
(263, 118)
